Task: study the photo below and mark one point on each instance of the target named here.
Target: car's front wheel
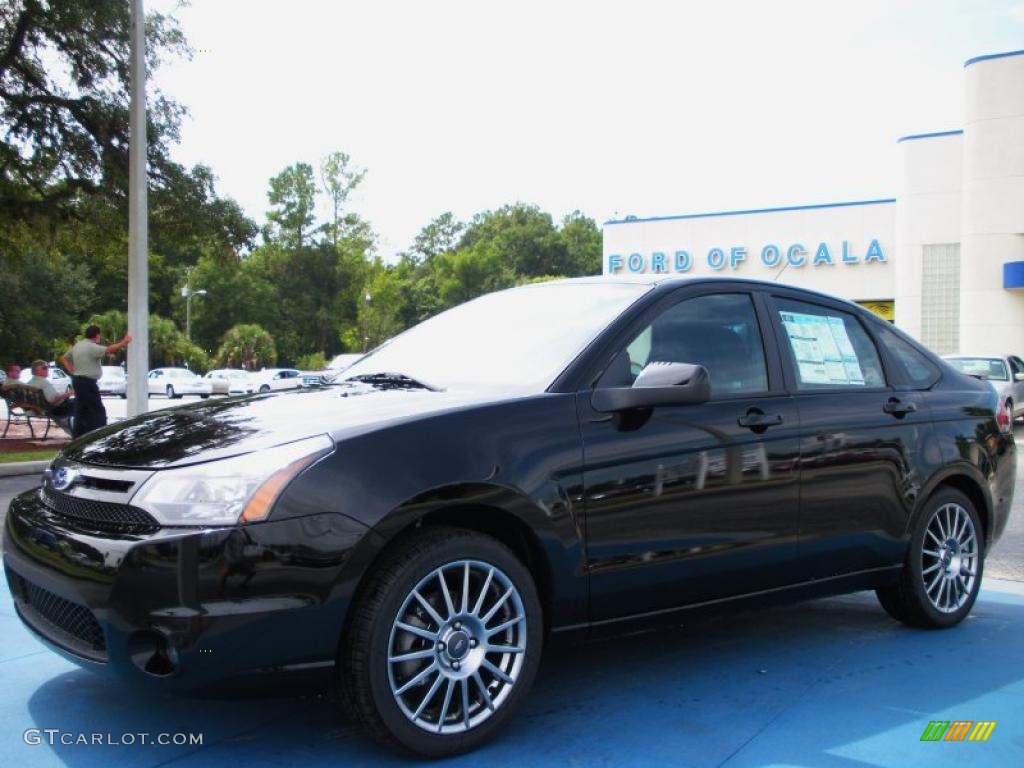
(942, 575)
(443, 644)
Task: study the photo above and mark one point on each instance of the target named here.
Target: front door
(689, 504)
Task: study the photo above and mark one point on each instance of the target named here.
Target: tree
(583, 245)
(30, 317)
(64, 85)
(293, 195)
(247, 346)
(521, 236)
(339, 179)
(439, 236)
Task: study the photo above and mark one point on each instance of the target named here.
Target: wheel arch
(970, 485)
(498, 512)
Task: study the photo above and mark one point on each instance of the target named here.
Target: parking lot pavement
(827, 683)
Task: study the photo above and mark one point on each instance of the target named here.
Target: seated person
(61, 406)
(13, 372)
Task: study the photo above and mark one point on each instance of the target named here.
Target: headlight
(241, 489)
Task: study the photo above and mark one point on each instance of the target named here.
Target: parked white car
(274, 379)
(230, 381)
(177, 382)
(60, 380)
(113, 381)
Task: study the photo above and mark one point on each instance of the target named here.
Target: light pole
(187, 293)
(366, 323)
(138, 227)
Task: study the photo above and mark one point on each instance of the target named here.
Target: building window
(940, 297)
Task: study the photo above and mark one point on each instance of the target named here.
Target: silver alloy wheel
(457, 646)
(949, 558)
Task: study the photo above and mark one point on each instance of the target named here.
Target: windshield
(517, 340)
(991, 367)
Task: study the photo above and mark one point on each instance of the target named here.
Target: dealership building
(944, 258)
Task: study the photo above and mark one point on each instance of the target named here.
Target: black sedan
(558, 458)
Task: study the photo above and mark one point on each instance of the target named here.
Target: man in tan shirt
(85, 364)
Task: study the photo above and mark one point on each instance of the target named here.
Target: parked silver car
(113, 381)
(230, 381)
(1004, 372)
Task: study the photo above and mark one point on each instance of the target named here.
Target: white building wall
(992, 218)
(927, 213)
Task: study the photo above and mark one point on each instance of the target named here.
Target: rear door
(862, 432)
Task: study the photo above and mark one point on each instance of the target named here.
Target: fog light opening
(153, 654)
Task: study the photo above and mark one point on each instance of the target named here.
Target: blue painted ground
(826, 683)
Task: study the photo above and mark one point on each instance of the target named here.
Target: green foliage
(64, 82)
(583, 245)
(44, 295)
(247, 346)
(314, 361)
(440, 235)
(339, 179)
(293, 195)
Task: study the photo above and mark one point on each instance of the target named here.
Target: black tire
(369, 677)
(170, 393)
(124, 396)
(264, 389)
(911, 599)
(204, 397)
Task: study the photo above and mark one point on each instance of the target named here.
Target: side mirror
(1018, 377)
(657, 384)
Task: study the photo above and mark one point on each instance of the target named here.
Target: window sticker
(824, 354)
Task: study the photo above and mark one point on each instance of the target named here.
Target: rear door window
(828, 348)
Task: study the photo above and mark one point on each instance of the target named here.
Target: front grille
(68, 624)
(100, 515)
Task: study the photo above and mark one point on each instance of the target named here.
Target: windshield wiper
(391, 380)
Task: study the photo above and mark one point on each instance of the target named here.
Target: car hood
(228, 427)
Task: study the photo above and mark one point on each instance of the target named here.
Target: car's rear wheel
(264, 389)
(443, 644)
(942, 575)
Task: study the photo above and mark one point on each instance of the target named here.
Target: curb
(16, 468)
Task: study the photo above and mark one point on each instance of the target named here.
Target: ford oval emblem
(64, 478)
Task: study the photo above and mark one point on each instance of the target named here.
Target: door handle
(898, 408)
(758, 421)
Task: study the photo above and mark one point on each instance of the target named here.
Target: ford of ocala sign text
(771, 255)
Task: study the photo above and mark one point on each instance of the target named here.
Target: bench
(25, 403)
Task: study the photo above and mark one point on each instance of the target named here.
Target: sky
(614, 108)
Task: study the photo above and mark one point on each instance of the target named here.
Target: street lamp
(366, 323)
(187, 293)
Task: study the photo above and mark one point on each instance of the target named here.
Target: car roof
(668, 282)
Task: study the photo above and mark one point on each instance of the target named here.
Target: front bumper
(183, 606)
